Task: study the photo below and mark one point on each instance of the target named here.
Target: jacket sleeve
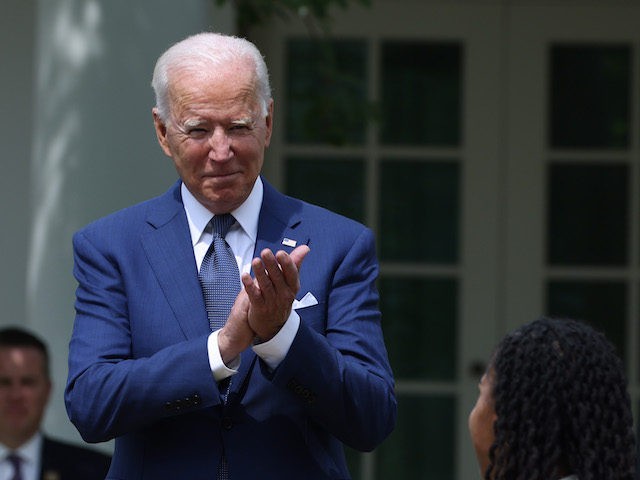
(112, 388)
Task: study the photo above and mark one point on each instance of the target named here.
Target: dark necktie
(219, 274)
(16, 462)
(220, 282)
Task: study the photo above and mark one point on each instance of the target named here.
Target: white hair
(204, 51)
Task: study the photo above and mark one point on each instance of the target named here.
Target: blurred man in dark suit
(25, 387)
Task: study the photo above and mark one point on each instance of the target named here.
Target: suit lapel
(279, 224)
(50, 466)
(168, 247)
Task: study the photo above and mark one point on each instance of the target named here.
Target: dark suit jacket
(138, 364)
(64, 461)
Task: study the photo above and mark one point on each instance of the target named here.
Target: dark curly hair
(562, 405)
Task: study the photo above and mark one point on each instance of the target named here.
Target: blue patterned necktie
(219, 276)
(220, 281)
(15, 462)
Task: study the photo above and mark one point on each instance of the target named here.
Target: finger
(251, 288)
(291, 265)
(273, 268)
(240, 307)
(262, 277)
(298, 254)
(241, 298)
(269, 260)
(289, 271)
(249, 284)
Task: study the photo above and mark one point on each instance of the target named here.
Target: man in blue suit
(298, 369)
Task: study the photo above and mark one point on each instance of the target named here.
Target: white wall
(17, 29)
(78, 143)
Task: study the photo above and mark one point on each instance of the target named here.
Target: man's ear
(161, 132)
(269, 124)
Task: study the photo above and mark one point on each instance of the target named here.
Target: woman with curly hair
(554, 404)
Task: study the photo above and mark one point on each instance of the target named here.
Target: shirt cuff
(274, 351)
(218, 368)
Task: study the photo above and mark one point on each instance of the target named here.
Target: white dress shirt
(242, 240)
(30, 455)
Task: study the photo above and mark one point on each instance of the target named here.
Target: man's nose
(220, 144)
(15, 390)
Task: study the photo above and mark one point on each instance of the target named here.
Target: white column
(94, 144)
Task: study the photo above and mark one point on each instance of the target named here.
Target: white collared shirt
(30, 455)
(242, 239)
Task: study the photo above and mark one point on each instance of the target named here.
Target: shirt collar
(246, 215)
(29, 452)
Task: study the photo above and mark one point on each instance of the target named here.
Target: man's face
(216, 135)
(24, 393)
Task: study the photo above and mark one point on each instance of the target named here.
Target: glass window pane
(590, 96)
(423, 443)
(419, 211)
(637, 437)
(419, 321)
(637, 420)
(336, 184)
(326, 91)
(421, 93)
(601, 304)
(587, 215)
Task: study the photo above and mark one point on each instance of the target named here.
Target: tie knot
(16, 463)
(222, 223)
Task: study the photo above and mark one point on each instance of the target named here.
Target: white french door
(441, 126)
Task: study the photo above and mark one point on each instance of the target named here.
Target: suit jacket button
(196, 400)
(168, 406)
(227, 423)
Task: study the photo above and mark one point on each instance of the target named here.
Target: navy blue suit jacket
(138, 363)
(64, 461)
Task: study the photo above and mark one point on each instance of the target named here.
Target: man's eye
(240, 129)
(197, 132)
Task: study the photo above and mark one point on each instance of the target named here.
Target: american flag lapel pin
(287, 242)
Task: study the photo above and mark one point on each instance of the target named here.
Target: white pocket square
(307, 301)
